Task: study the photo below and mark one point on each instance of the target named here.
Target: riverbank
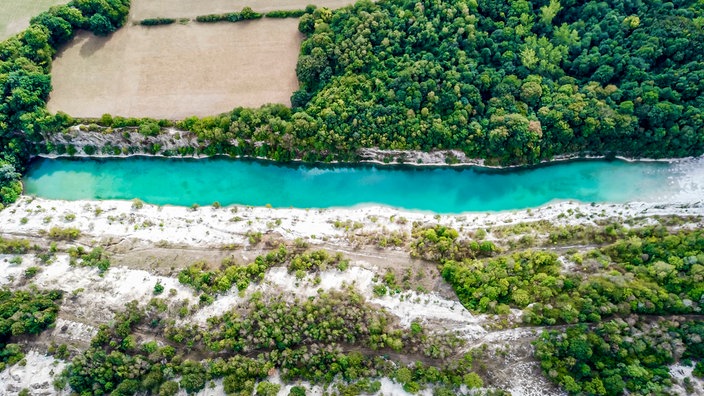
(128, 142)
(217, 226)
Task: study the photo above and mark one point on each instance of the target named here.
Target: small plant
(68, 234)
(254, 237)
(380, 290)
(137, 204)
(31, 272)
(158, 288)
(69, 217)
(17, 260)
(24, 220)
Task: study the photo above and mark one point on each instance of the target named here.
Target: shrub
(285, 14)
(68, 234)
(156, 21)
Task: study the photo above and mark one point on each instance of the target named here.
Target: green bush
(285, 14)
(156, 21)
(68, 234)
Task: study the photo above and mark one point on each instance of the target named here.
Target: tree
(100, 25)
(267, 389)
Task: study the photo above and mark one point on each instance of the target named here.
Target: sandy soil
(36, 375)
(142, 9)
(15, 14)
(210, 227)
(177, 71)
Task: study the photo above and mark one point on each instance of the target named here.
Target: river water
(439, 189)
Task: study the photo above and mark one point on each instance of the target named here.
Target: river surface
(440, 189)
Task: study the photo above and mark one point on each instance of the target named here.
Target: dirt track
(177, 71)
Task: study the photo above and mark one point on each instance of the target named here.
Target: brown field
(15, 14)
(177, 71)
(142, 9)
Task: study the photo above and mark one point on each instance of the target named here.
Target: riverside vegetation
(511, 83)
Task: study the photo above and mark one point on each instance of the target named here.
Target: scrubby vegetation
(334, 336)
(632, 273)
(646, 271)
(231, 274)
(95, 258)
(24, 312)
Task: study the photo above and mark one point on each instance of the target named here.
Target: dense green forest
(511, 82)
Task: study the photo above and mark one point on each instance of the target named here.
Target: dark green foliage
(10, 186)
(506, 80)
(158, 288)
(244, 15)
(100, 25)
(614, 357)
(698, 370)
(156, 21)
(285, 14)
(24, 312)
(297, 391)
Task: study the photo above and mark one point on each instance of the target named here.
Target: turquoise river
(439, 189)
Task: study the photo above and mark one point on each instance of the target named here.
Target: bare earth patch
(191, 8)
(177, 71)
(15, 14)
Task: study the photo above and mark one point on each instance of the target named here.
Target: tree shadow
(92, 44)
